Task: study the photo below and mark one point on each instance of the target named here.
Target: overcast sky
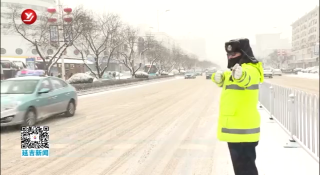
(215, 21)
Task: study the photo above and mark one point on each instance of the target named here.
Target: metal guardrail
(297, 112)
(82, 92)
(115, 82)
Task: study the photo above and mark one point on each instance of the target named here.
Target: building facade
(14, 45)
(305, 36)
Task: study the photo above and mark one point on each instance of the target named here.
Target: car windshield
(18, 86)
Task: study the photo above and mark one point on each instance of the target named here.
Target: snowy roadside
(113, 87)
(304, 75)
(294, 161)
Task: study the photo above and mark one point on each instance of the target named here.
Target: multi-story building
(305, 36)
(15, 47)
(12, 44)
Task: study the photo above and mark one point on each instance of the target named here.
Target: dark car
(189, 75)
(209, 74)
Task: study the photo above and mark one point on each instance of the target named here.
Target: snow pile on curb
(81, 78)
(305, 75)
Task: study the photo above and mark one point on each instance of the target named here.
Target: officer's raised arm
(218, 78)
(247, 71)
(247, 75)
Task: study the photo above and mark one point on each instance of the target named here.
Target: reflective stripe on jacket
(239, 118)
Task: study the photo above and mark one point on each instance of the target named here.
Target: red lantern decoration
(52, 20)
(67, 19)
(67, 10)
(51, 10)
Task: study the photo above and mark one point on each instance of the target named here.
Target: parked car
(209, 73)
(189, 75)
(277, 72)
(268, 73)
(296, 70)
(314, 70)
(26, 100)
(307, 70)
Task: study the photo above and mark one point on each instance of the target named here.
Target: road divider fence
(84, 88)
(297, 112)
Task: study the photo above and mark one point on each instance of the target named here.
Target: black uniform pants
(243, 156)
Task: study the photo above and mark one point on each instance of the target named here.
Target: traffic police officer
(239, 118)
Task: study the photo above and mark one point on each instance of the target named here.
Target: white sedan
(268, 73)
(277, 72)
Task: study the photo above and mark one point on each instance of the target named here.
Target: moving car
(296, 70)
(277, 72)
(307, 70)
(209, 73)
(26, 100)
(198, 72)
(314, 70)
(268, 73)
(189, 75)
(28, 73)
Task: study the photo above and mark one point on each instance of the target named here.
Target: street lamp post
(63, 22)
(158, 16)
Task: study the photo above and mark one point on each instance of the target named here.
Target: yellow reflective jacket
(239, 118)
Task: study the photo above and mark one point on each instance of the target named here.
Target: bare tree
(165, 62)
(156, 54)
(129, 52)
(100, 41)
(178, 58)
(38, 34)
(275, 60)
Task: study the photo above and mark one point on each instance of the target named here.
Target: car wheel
(30, 118)
(71, 109)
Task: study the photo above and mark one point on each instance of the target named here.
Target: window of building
(6, 64)
(34, 51)
(19, 51)
(3, 51)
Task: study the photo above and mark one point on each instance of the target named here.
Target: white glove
(218, 77)
(237, 71)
